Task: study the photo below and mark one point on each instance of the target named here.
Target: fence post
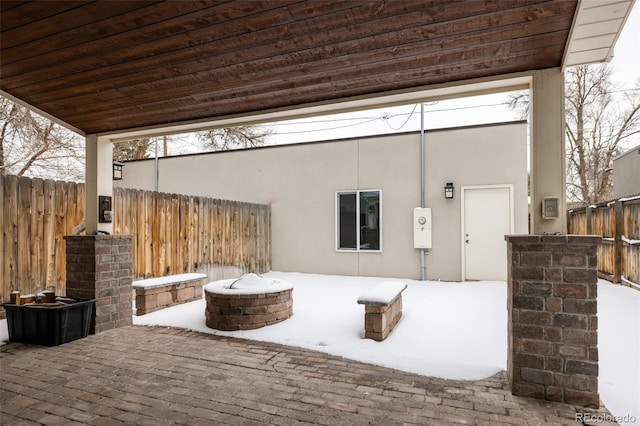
(617, 240)
(587, 219)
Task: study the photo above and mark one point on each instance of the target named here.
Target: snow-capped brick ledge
(553, 322)
(153, 294)
(382, 309)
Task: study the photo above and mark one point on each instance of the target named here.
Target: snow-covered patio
(448, 330)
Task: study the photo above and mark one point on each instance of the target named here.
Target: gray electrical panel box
(422, 228)
(550, 207)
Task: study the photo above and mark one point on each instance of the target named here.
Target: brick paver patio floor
(156, 376)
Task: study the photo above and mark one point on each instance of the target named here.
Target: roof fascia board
(574, 24)
(582, 5)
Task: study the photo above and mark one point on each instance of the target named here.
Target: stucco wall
(626, 173)
(300, 182)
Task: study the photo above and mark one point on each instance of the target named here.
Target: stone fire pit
(247, 303)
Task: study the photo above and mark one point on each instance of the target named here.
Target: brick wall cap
(522, 238)
(382, 294)
(168, 280)
(558, 239)
(96, 237)
(584, 239)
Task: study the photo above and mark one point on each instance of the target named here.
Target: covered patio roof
(110, 67)
(114, 70)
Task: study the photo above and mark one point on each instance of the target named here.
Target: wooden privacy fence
(35, 216)
(174, 233)
(618, 222)
(171, 233)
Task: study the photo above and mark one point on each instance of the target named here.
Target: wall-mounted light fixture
(448, 190)
(117, 170)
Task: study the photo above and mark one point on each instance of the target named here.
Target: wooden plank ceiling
(111, 65)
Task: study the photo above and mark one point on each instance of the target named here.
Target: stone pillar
(553, 323)
(99, 267)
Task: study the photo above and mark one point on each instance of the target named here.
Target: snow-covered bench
(153, 294)
(382, 309)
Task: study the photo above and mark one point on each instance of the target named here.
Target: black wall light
(448, 190)
(117, 170)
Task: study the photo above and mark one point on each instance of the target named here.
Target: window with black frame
(358, 220)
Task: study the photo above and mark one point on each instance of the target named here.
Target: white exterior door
(487, 216)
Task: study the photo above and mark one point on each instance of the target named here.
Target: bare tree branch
(595, 128)
(31, 145)
(234, 138)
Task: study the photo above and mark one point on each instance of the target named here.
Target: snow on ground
(619, 350)
(453, 330)
(448, 330)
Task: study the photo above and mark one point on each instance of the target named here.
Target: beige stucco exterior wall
(471, 157)
(626, 173)
(300, 182)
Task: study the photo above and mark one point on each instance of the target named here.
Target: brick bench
(382, 309)
(153, 294)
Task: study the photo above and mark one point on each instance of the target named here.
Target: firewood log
(49, 296)
(27, 298)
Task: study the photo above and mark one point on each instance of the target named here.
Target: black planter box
(49, 325)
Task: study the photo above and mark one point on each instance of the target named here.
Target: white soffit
(595, 30)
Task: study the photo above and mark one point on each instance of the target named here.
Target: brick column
(99, 267)
(553, 323)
